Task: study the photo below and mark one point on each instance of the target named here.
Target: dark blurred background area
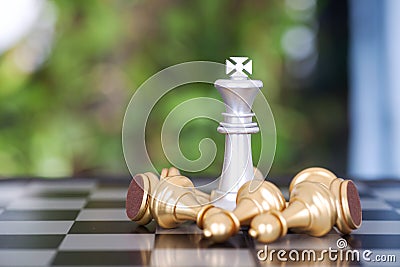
(69, 68)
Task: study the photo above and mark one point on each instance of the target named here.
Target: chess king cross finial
(237, 68)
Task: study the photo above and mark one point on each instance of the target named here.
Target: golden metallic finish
(174, 202)
(172, 171)
(311, 210)
(150, 181)
(221, 225)
(349, 215)
(253, 198)
(314, 174)
(204, 198)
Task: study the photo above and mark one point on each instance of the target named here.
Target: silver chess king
(238, 94)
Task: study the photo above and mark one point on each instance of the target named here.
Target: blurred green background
(65, 84)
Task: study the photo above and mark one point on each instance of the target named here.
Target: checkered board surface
(75, 222)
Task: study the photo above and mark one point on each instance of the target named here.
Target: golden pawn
(347, 200)
(253, 198)
(138, 197)
(141, 190)
(204, 198)
(311, 210)
(175, 201)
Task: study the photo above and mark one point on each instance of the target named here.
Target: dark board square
(39, 215)
(109, 227)
(94, 204)
(59, 194)
(380, 215)
(364, 194)
(383, 184)
(108, 258)
(30, 241)
(394, 204)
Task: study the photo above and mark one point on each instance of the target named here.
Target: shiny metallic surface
(202, 197)
(238, 95)
(174, 202)
(313, 174)
(252, 200)
(311, 210)
(150, 183)
(345, 222)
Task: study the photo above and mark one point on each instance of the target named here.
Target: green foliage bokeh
(65, 118)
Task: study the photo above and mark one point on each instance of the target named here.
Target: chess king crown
(318, 200)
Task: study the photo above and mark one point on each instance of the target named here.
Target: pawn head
(266, 228)
(221, 226)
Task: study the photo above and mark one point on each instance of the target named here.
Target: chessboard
(82, 222)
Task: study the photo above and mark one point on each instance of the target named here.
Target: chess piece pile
(318, 200)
